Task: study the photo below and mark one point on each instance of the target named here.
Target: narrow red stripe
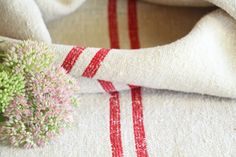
(139, 131)
(137, 106)
(133, 24)
(112, 23)
(95, 63)
(91, 70)
(107, 86)
(71, 58)
(115, 126)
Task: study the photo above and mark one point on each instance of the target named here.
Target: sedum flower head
(35, 119)
(35, 98)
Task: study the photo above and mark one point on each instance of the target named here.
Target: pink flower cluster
(35, 117)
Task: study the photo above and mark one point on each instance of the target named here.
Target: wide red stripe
(95, 63)
(137, 106)
(71, 58)
(112, 23)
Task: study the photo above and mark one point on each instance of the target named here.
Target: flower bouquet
(36, 99)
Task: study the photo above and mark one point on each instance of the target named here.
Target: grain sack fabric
(155, 80)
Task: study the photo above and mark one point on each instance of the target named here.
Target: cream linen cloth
(186, 68)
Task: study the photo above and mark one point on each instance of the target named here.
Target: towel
(155, 80)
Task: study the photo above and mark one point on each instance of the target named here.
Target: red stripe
(115, 126)
(112, 23)
(137, 106)
(91, 70)
(107, 86)
(133, 24)
(71, 58)
(139, 131)
(95, 63)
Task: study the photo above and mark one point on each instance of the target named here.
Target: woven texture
(155, 80)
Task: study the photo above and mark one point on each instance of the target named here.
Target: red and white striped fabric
(144, 102)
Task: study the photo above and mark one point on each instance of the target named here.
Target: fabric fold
(201, 3)
(202, 62)
(22, 20)
(228, 6)
(57, 8)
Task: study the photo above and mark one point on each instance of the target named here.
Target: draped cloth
(156, 77)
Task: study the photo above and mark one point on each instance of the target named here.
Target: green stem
(2, 54)
(1, 117)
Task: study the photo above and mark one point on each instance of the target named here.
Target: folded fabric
(17, 14)
(56, 9)
(180, 2)
(228, 6)
(202, 62)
